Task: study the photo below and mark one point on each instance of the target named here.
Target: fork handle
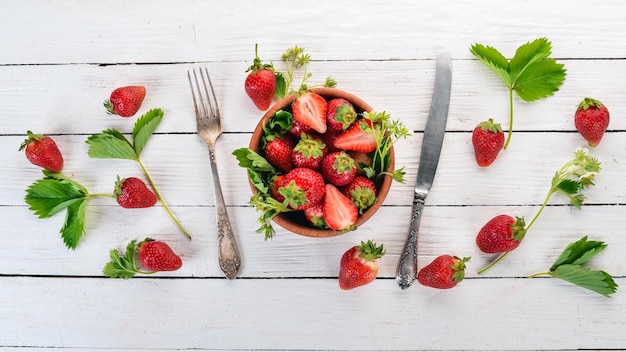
(228, 254)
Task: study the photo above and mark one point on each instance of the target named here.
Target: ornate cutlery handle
(228, 255)
(407, 266)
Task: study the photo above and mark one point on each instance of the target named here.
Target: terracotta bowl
(295, 222)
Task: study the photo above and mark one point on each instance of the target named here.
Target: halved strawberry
(310, 109)
(357, 137)
(340, 213)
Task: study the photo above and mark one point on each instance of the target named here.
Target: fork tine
(193, 92)
(210, 96)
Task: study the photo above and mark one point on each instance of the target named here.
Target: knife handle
(407, 266)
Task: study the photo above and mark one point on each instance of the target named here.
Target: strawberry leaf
(568, 267)
(74, 226)
(260, 171)
(579, 252)
(52, 194)
(144, 127)
(529, 53)
(110, 144)
(493, 59)
(595, 280)
(281, 85)
(539, 80)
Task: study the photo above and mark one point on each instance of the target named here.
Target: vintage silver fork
(209, 129)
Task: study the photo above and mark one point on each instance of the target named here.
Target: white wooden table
(60, 60)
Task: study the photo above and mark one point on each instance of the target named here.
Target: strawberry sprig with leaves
(124, 266)
(531, 73)
(56, 192)
(296, 57)
(386, 133)
(571, 180)
(569, 267)
(112, 144)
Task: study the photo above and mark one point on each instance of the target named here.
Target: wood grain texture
(60, 60)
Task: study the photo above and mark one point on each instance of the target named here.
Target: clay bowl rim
(301, 229)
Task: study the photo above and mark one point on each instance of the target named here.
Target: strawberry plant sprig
(531, 73)
(296, 57)
(570, 180)
(112, 144)
(56, 192)
(569, 267)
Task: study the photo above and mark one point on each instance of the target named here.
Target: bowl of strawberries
(320, 163)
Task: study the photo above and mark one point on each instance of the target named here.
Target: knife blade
(429, 159)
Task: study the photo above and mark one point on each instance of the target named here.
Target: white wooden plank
(184, 31)
(34, 246)
(180, 168)
(62, 99)
(307, 314)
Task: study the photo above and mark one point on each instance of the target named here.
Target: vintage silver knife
(429, 158)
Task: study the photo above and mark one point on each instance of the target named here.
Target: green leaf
(49, 195)
(491, 57)
(529, 53)
(539, 80)
(74, 226)
(579, 252)
(281, 85)
(595, 280)
(260, 171)
(123, 267)
(110, 144)
(568, 186)
(144, 127)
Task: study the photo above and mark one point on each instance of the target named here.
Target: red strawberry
(358, 265)
(310, 109)
(275, 186)
(329, 139)
(503, 233)
(591, 120)
(132, 192)
(362, 192)
(43, 151)
(357, 137)
(297, 129)
(278, 151)
(315, 215)
(340, 114)
(340, 213)
(260, 84)
(125, 101)
(488, 140)
(309, 152)
(302, 188)
(158, 256)
(444, 272)
(339, 168)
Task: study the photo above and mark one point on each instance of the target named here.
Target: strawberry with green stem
(531, 73)
(571, 179)
(260, 84)
(154, 256)
(113, 144)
